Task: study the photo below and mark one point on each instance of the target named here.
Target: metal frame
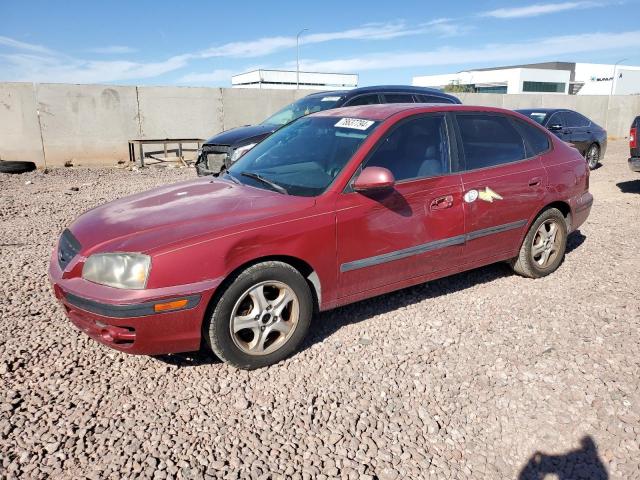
(179, 151)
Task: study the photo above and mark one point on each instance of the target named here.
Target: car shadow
(189, 359)
(574, 240)
(631, 186)
(573, 465)
(325, 324)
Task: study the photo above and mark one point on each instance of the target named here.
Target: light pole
(613, 80)
(298, 56)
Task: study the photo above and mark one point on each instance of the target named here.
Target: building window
(492, 89)
(551, 87)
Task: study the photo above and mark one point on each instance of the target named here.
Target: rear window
(433, 99)
(538, 141)
(574, 119)
(398, 98)
(489, 140)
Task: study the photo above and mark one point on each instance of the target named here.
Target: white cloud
(544, 48)
(40, 68)
(18, 45)
(37, 63)
(537, 9)
(371, 31)
(112, 49)
(213, 76)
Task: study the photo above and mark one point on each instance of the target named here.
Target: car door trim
(429, 246)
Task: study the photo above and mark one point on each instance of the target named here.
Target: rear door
(580, 130)
(503, 181)
(417, 228)
(557, 124)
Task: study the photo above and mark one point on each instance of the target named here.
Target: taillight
(633, 138)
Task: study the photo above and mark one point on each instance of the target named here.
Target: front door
(502, 187)
(415, 229)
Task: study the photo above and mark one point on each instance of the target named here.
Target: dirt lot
(465, 377)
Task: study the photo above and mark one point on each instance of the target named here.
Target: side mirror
(374, 179)
(555, 127)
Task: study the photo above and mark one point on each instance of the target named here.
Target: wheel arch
(564, 208)
(305, 269)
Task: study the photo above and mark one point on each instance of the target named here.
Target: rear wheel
(543, 248)
(593, 156)
(262, 316)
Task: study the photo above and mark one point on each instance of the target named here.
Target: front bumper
(125, 320)
(213, 159)
(634, 164)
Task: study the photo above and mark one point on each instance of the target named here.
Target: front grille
(68, 248)
(216, 156)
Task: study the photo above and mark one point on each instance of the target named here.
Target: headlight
(119, 270)
(238, 152)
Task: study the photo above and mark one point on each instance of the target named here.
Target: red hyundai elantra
(333, 208)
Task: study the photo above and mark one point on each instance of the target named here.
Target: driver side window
(417, 148)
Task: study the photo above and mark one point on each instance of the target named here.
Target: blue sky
(203, 43)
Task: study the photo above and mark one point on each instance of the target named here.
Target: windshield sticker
(330, 99)
(355, 123)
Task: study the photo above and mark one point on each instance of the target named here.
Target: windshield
(304, 106)
(302, 158)
(537, 116)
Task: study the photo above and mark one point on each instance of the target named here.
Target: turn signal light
(173, 305)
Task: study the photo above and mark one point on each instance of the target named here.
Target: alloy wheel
(546, 243)
(264, 318)
(593, 156)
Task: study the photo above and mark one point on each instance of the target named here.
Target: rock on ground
(465, 377)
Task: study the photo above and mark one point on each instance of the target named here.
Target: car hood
(174, 214)
(240, 134)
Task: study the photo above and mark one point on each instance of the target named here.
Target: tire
(592, 155)
(16, 167)
(261, 317)
(538, 243)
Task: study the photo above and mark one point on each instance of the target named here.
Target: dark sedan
(224, 149)
(574, 128)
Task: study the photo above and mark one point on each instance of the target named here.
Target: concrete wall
(179, 112)
(91, 124)
(19, 129)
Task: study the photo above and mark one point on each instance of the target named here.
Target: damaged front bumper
(212, 159)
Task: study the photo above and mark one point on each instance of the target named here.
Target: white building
(550, 77)
(288, 79)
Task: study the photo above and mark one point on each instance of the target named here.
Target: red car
(336, 207)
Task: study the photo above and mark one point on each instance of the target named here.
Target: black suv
(222, 150)
(634, 146)
(572, 127)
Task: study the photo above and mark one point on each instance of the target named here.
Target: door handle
(441, 203)
(535, 181)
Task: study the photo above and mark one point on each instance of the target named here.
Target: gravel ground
(480, 375)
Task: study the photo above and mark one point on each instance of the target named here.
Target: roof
(542, 110)
(385, 88)
(385, 110)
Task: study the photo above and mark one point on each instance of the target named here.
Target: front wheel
(593, 156)
(261, 317)
(543, 247)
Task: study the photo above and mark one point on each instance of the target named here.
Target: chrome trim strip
(497, 229)
(428, 247)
